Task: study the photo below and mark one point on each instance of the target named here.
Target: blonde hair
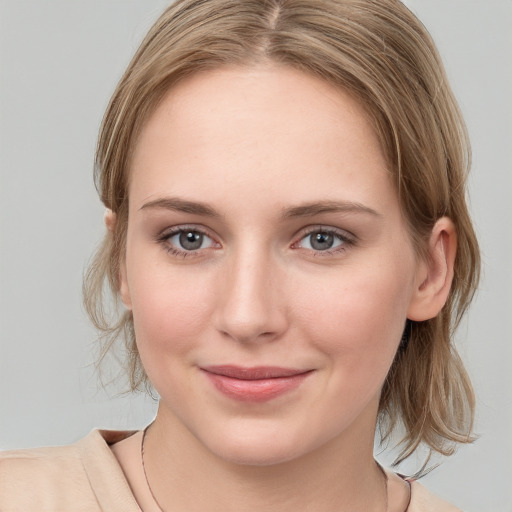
(378, 51)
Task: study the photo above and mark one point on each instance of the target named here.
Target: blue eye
(322, 240)
(189, 240)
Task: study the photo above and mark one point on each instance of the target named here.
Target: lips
(257, 384)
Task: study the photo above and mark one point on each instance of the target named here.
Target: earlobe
(435, 274)
(110, 219)
(124, 291)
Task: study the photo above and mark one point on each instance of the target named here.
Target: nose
(251, 302)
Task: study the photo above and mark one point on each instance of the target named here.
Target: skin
(255, 148)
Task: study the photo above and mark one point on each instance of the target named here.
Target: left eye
(321, 241)
(190, 240)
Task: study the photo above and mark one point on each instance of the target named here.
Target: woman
(288, 234)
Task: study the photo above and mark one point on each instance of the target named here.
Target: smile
(258, 384)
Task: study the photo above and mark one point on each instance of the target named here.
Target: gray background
(59, 62)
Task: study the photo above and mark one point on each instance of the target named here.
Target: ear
(110, 219)
(124, 292)
(435, 274)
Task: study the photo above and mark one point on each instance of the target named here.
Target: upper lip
(253, 373)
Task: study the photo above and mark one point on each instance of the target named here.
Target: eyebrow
(181, 205)
(317, 208)
(303, 210)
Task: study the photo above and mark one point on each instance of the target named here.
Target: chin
(251, 453)
(264, 446)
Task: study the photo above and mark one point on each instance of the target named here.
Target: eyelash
(164, 240)
(347, 240)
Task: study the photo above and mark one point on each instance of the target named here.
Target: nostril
(249, 309)
(248, 335)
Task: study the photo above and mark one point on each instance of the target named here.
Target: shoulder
(415, 498)
(82, 476)
(49, 477)
(422, 500)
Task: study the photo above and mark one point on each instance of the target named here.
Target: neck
(341, 475)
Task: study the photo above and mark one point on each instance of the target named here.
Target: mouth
(256, 384)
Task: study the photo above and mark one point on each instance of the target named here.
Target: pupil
(322, 241)
(191, 240)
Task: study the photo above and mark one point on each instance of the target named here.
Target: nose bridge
(250, 307)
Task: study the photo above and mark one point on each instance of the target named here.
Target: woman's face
(267, 266)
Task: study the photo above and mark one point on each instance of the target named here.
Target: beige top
(86, 476)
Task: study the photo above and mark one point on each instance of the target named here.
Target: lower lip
(260, 390)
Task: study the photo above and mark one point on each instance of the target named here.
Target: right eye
(190, 240)
(186, 241)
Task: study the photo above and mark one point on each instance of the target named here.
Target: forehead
(260, 127)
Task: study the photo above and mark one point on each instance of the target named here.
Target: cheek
(170, 316)
(357, 317)
(170, 309)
